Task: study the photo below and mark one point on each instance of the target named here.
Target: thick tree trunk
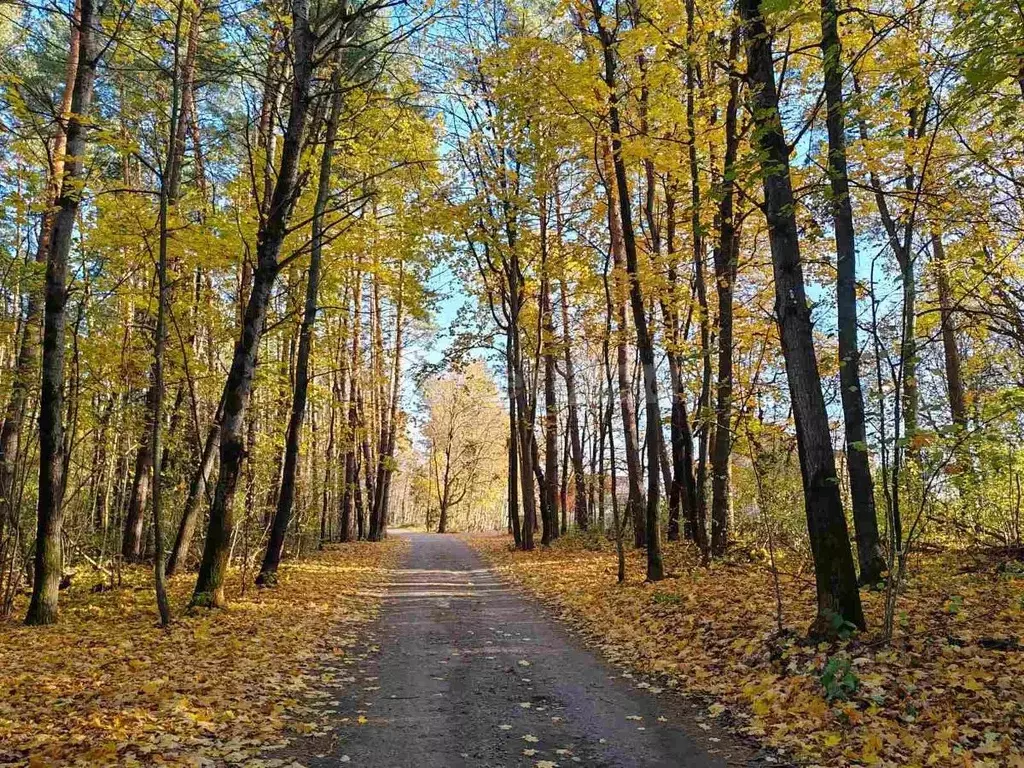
(862, 492)
(26, 368)
(49, 559)
(835, 576)
(209, 588)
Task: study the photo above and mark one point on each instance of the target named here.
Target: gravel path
(462, 670)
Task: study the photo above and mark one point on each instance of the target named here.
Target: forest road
(466, 672)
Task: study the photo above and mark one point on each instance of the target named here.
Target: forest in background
(748, 276)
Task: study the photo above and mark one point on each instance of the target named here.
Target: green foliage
(838, 679)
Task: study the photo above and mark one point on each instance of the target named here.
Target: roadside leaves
(946, 692)
(107, 686)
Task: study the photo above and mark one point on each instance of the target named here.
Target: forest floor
(108, 686)
(946, 691)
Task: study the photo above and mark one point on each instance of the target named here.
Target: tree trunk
(196, 493)
(655, 569)
(835, 576)
(702, 416)
(26, 368)
(634, 502)
(683, 491)
(954, 376)
(726, 258)
(49, 560)
(209, 588)
(386, 455)
(858, 466)
(547, 341)
(349, 513)
(581, 513)
(513, 443)
(286, 497)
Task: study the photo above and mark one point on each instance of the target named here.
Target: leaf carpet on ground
(941, 694)
(107, 686)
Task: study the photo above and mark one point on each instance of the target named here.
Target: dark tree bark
(835, 576)
(138, 499)
(655, 569)
(196, 493)
(634, 500)
(726, 255)
(862, 491)
(389, 426)
(209, 588)
(683, 507)
(954, 374)
(26, 368)
(349, 507)
(286, 497)
(49, 556)
(547, 341)
(702, 417)
(513, 443)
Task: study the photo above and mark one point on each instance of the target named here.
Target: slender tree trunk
(726, 257)
(547, 341)
(634, 503)
(196, 493)
(513, 443)
(49, 559)
(830, 546)
(655, 569)
(580, 510)
(385, 460)
(209, 588)
(954, 375)
(700, 287)
(349, 507)
(858, 466)
(293, 438)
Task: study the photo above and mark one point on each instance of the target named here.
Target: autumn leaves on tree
(324, 75)
(688, 242)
